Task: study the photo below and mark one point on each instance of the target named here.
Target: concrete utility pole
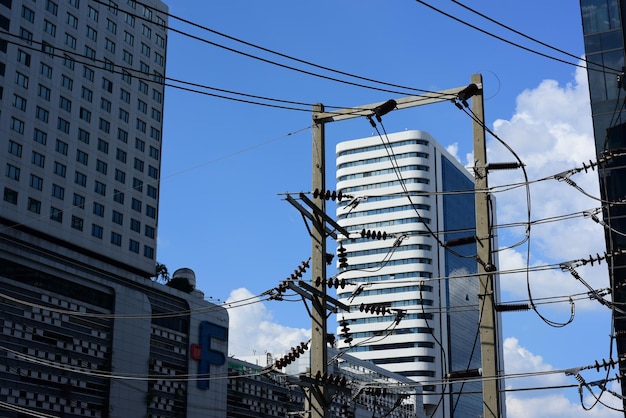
(318, 395)
(487, 325)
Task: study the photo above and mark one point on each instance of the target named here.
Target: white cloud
(253, 331)
(546, 403)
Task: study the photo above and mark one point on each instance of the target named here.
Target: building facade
(85, 332)
(413, 303)
(604, 52)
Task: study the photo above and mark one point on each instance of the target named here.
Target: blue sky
(227, 164)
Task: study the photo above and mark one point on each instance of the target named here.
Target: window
(28, 14)
(124, 115)
(42, 114)
(147, 32)
(35, 182)
(77, 223)
(156, 115)
(112, 7)
(120, 155)
(116, 239)
(154, 152)
(135, 225)
(157, 96)
(158, 58)
(69, 62)
(117, 217)
(130, 19)
(56, 214)
(133, 246)
(145, 50)
(93, 13)
(66, 82)
(90, 53)
(45, 70)
(158, 77)
(136, 205)
(139, 165)
(107, 85)
(59, 169)
(10, 196)
(21, 80)
(128, 38)
(87, 94)
(70, 41)
(58, 192)
(148, 252)
(120, 176)
(153, 172)
(85, 115)
(143, 87)
(65, 104)
(83, 136)
(141, 125)
(122, 135)
(82, 157)
(26, 35)
(92, 34)
(142, 106)
(73, 20)
(88, 73)
(105, 105)
(13, 172)
(19, 102)
(111, 26)
(52, 7)
(43, 92)
(101, 167)
(98, 209)
(124, 96)
(104, 125)
(103, 146)
(15, 148)
(96, 231)
(78, 201)
(38, 159)
(127, 77)
(23, 57)
(61, 147)
(49, 27)
(74, 3)
(109, 45)
(17, 125)
(160, 41)
(100, 188)
(47, 48)
(63, 125)
(80, 178)
(118, 196)
(108, 65)
(140, 145)
(137, 184)
(149, 231)
(127, 57)
(150, 211)
(144, 68)
(152, 192)
(34, 205)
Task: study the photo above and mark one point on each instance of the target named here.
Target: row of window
(56, 214)
(384, 146)
(383, 159)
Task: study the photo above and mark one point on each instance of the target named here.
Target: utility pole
(318, 397)
(317, 394)
(487, 324)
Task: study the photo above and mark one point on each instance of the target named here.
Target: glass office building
(604, 52)
(413, 304)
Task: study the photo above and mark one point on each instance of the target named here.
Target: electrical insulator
(373, 234)
(300, 270)
(342, 257)
(345, 332)
(330, 379)
(318, 281)
(337, 283)
(375, 309)
(328, 195)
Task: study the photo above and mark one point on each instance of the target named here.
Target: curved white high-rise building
(424, 324)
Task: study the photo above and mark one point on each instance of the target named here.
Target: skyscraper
(604, 52)
(414, 305)
(84, 331)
